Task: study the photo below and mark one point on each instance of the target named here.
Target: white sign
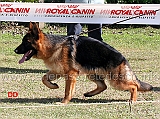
(80, 13)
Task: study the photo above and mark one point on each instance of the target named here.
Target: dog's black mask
(26, 48)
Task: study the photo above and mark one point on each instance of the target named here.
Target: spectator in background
(76, 28)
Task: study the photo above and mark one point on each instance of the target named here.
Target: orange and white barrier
(80, 13)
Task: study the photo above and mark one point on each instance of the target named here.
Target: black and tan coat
(70, 57)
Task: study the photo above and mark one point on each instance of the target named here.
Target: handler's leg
(73, 29)
(97, 31)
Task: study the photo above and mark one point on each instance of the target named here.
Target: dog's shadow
(54, 100)
(20, 71)
(156, 89)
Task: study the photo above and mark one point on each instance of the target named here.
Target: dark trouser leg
(96, 33)
(73, 29)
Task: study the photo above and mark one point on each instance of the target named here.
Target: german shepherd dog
(70, 56)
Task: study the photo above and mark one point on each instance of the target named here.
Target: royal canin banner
(80, 13)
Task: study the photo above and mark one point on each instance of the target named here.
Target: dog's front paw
(87, 95)
(54, 85)
(49, 84)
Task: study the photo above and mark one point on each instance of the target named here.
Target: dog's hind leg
(123, 78)
(101, 86)
(47, 78)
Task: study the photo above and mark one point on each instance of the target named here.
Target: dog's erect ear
(33, 27)
(30, 25)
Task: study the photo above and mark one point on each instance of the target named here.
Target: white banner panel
(80, 13)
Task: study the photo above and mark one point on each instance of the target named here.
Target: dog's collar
(73, 36)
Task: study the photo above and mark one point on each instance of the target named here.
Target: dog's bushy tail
(144, 86)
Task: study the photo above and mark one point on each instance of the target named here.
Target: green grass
(141, 46)
(112, 111)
